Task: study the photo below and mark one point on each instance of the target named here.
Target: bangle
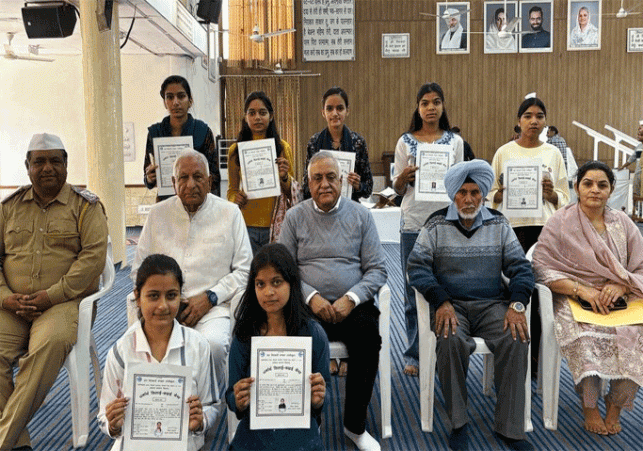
(575, 291)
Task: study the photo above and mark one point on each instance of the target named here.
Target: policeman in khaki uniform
(53, 242)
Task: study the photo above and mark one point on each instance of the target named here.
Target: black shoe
(459, 439)
(516, 444)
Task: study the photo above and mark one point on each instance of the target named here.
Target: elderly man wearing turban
(457, 264)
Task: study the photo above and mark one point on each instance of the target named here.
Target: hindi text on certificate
(522, 197)
(259, 172)
(433, 161)
(280, 394)
(157, 416)
(166, 151)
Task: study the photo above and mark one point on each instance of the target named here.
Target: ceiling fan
(280, 71)
(10, 53)
(257, 37)
(623, 13)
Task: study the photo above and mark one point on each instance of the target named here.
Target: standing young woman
(177, 98)
(430, 124)
(259, 123)
(273, 305)
(532, 118)
(337, 136)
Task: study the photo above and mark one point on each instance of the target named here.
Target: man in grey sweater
(338, 251)
(457, 264)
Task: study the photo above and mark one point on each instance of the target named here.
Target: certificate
(523, 193)
(280, 394)
(157, 416)
(433, 160)
(166, 150)
(346, 162)
(259, 172)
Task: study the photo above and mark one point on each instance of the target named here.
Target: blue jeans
(259, 236)
(412, 353)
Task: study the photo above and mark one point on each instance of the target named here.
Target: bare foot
(593, 421)
(612, 416)
(333, 367)
(411, 370)
(343, 368)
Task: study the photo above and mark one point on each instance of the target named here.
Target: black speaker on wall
(209, 10)
(49, 20)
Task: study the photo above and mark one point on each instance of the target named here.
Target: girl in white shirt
(158, 338)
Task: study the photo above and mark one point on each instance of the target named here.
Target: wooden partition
(482, 91)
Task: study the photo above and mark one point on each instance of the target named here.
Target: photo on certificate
(280, 395)
(452, 27)
(346, 162)
(259, 172)
(500, 28)
(522, 196)
(583, 25)
(537, 21)
(157, 416)
(433, 161)
(166, 151)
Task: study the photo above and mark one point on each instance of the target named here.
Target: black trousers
(360, 334)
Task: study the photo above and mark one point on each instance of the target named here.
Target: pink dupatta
(570, 247)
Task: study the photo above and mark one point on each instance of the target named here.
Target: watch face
(519, 307)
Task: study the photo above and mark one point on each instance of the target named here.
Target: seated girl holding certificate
(273, 305)
(261, 214)
(158, 338)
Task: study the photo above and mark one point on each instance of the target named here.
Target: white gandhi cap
(45, 141)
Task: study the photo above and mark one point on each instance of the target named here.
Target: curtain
(269, 16)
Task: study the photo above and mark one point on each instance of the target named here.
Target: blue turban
(477, 170)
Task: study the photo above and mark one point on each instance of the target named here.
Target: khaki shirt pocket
(17, 236)
(63, 234)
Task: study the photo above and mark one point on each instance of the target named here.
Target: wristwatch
(517, 307)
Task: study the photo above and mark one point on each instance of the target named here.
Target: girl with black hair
(177, 98)
(337, 136)
(158, 338)
(273, 305)
(429, 125)
(263, 216)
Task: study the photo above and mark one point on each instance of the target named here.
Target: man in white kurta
(207, 236)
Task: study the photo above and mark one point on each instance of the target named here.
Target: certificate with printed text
(433, 161)
(157, 416)
(259, 172)
(166, 150)
(523, 194)
(280, 394)
(346, 162)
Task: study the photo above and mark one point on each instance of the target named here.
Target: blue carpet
(51, 427)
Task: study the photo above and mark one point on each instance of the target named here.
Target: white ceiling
(148, 35)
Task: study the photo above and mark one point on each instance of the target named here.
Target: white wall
(37, 97)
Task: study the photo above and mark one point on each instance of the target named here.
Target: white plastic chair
(428, 361)
(78, 360)
(339, 351)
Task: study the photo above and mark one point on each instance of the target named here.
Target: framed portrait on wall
(584, 25)
(537, 23)
(452, 28)
(497, 22)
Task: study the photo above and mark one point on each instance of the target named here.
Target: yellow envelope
(633, 314)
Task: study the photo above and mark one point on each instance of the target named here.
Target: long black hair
(532, 101)
(416, 120)
(246, 134)
(250, 317)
